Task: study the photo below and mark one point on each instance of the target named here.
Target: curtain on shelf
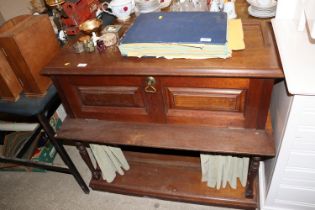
(111, 160)
(219, 170)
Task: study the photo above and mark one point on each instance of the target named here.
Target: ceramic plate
(253, 10)
(260, 14)
(256, 4)
(165, 4)
(272, 9)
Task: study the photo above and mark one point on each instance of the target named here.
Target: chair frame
(43, 119)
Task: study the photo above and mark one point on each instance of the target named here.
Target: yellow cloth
(235, 35)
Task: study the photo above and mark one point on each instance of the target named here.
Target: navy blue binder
(178, 27)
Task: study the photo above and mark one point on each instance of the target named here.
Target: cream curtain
(111, 160)
(219, 170)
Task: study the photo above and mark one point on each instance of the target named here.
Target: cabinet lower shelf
(172, 177)
(169, 136)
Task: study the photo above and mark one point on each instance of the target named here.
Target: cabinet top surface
(259, 59)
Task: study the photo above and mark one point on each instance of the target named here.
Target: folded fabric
(117, 152)
(218, 170)
(110, 160)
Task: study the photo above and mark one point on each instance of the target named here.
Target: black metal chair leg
(61, 151)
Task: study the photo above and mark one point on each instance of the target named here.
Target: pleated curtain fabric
(111, 160)
(219, 170)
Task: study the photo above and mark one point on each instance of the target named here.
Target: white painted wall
(12, 8)
(288, 9)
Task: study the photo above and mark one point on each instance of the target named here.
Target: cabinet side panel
(18, 64)
(258, 102)
(10, 87)
(38, 33)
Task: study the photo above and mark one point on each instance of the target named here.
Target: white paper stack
(111, 160)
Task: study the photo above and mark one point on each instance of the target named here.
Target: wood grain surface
(248, 142)
(218, 106)
(259, 59)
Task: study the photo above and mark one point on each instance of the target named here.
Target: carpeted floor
(56, 191)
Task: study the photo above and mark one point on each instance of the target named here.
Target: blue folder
(178, 27)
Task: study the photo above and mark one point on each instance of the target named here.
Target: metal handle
(150, 85)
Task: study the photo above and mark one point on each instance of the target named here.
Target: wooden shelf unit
(218, 106)
(154, 175)
(182, 137)
(169, 174)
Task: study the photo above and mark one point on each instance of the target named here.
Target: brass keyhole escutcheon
(150, 81)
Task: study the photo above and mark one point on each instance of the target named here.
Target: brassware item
(91, 25)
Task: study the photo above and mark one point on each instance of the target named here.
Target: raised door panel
(212, 101)
(110, 98)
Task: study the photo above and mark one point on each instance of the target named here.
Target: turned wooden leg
(252, 174)
(96, 173)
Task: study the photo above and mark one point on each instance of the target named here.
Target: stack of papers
(193, 35)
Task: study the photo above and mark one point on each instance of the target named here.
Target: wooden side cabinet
(163, 113)
(10, 87)
(217, 102)
(29, 43)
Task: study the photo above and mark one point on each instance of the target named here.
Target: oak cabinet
(218, 102)
(170, 111)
